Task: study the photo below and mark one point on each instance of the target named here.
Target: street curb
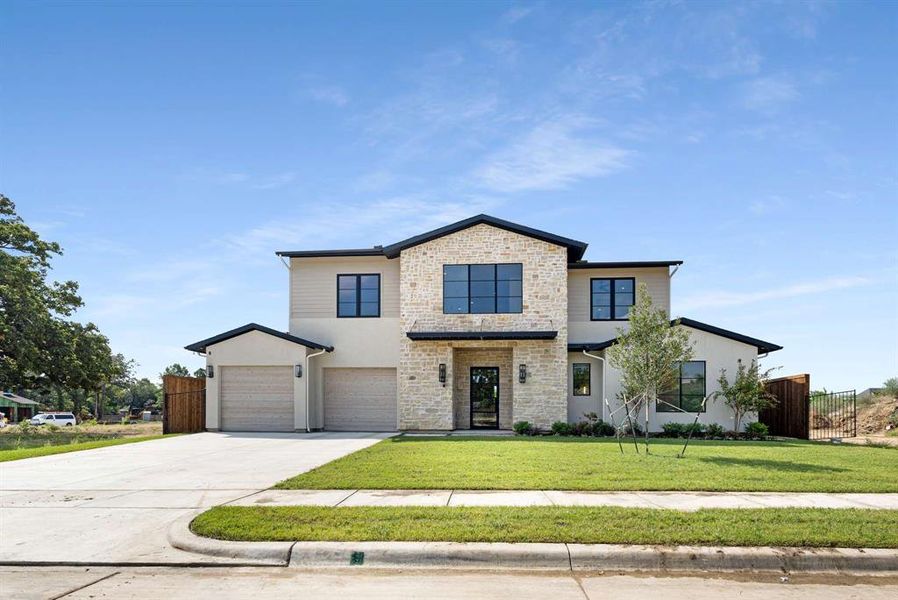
(442, 555)
(257, 553)
(537, 556)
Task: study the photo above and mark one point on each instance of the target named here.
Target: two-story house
(478, 324)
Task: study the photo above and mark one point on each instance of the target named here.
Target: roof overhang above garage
(762, 346)
(227, 335)
(442, 336)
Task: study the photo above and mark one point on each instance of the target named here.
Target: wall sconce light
(297, 371)
(210, 371)
(522, 373)
(443, 373)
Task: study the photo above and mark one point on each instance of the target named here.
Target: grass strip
(597, 464)
(822, 528)
(23, 453)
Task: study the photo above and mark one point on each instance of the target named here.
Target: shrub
(51, 427)
(524, 428)
(756, 430)
(582, 428)
(673, 430)
(561, 428)
(602, 429)
(26, 426)
(715, 431)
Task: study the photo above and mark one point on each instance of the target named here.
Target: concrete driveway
(115, 505)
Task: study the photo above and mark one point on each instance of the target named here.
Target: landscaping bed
(546, 463)
(585, 525)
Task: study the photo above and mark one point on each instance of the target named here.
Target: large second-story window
(690, 390)
(611, 298)
(358, 295)
(482, 289)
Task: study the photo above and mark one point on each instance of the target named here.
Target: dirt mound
(877, 415)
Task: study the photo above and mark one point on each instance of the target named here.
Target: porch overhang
(443, 336)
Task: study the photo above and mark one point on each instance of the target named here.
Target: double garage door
(261, 399)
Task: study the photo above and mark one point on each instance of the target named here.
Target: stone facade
(424, 403)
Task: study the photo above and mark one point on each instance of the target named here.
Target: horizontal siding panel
(656, 281)
(313, 284)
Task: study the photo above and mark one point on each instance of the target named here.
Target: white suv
(61, 419)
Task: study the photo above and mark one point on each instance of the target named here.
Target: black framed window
(690, 391)
(582, 382)
(358, 295)
(483, 289)
(611, 298)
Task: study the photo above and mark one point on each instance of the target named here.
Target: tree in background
(35, 339)
(748, 392)
(890, 387)
(175, 369)
(200, 373)
(648, 354)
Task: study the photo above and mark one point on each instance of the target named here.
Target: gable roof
(203, 344)
(16, 399)
(762, 346)
(575, 248)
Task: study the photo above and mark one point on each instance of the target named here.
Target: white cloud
(515, 14)
(768, 94)
(332, 95)
(715, 299)
(551, 156)
(361, 224)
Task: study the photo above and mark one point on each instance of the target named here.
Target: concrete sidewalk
(688, 501)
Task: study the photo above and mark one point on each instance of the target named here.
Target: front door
(484, 397)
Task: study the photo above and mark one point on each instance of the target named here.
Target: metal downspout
(309, 358)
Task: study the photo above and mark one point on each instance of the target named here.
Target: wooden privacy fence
(791, 415)
(184, 404)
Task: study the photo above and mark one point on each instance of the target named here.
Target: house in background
(16, 408)
(475, 325)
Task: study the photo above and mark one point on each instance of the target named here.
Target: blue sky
(171, 149)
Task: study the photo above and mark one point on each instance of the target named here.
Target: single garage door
(257, 398)
(360, 399)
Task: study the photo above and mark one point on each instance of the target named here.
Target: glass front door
(484, 397)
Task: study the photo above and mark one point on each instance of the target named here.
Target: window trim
(358, 295)
(496, 295)
(613, 304)
(588, 379)
(667, 409)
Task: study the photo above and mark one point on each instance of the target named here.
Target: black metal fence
(833, 415)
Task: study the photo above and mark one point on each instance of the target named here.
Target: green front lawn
(597, 464)
(593, 525)
(69, 446)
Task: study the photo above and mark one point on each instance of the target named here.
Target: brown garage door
(360, 399)
(257, 398)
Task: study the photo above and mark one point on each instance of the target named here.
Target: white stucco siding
(718, 353)
(254, 349)
(581, 328)
(578, 406)
(358, 342)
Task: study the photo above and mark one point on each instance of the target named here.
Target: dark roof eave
(227, 335)
(422, 336)
(762, 346)
(331, 253)
(575, 248)
(635, 264)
